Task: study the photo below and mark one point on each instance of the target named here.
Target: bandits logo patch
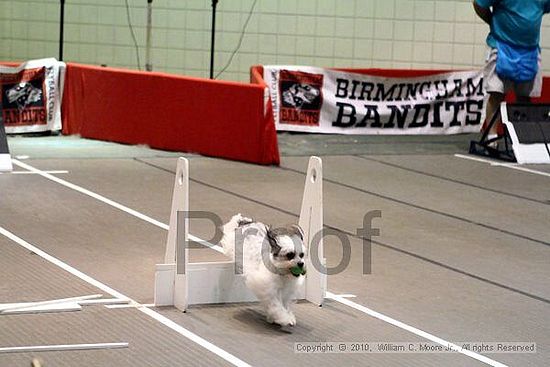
(23, 95)
(23, 98)
(302, 97)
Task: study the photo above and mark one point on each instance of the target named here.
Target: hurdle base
(204, 283)
(165, 275)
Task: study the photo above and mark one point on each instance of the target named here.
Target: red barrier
(214, 118)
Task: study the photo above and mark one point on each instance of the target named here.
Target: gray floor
(463, 251)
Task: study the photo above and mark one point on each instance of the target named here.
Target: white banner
(308, 99)
(31, 96)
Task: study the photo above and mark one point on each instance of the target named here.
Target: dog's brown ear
(244, 221)
(272, 238)
(299, 231)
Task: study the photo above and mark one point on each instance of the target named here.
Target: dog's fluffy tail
(228, 240)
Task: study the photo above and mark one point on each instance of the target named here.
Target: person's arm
(484, 13)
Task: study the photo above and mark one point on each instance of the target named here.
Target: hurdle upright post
(311, 222)
(171, 282)
(180, 202)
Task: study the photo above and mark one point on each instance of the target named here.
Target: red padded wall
(214, 118)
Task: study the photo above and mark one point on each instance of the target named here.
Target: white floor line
(330, 295)
(108, 201)
(344, 295)
(130, 305)
(16, 306)
(105, 301)
(507, 165)
(31, 173)
(413, 330)
(55, 308)
(105, 288)
(62, 347)
(91, 194)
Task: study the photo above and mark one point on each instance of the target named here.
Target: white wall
(353, 33)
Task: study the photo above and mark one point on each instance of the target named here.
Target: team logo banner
(31, 96)
(319, 100)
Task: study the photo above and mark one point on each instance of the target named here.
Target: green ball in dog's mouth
(297, 271)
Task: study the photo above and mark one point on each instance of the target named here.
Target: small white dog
(272, 261)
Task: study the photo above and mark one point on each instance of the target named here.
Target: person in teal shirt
(513, 24)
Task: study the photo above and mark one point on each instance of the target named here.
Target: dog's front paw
(292, 318)
(285, 319)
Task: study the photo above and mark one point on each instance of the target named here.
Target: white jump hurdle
(182, 284)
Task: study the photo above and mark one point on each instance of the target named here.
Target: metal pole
(61, 29)
(148, 62)
(213, 36)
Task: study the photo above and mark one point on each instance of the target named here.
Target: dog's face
(287, 248)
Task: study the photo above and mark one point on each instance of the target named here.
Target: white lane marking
(332, 296)
(105, 288)
(32, 173)
(110, 202)
(413, 330)
(55, 308)
(91, 194)
(62, 347)
(506, 165)
(344, 295)
(105, 301)
(131, 305)
(477, 159)
(61, 305)
(16, 306)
